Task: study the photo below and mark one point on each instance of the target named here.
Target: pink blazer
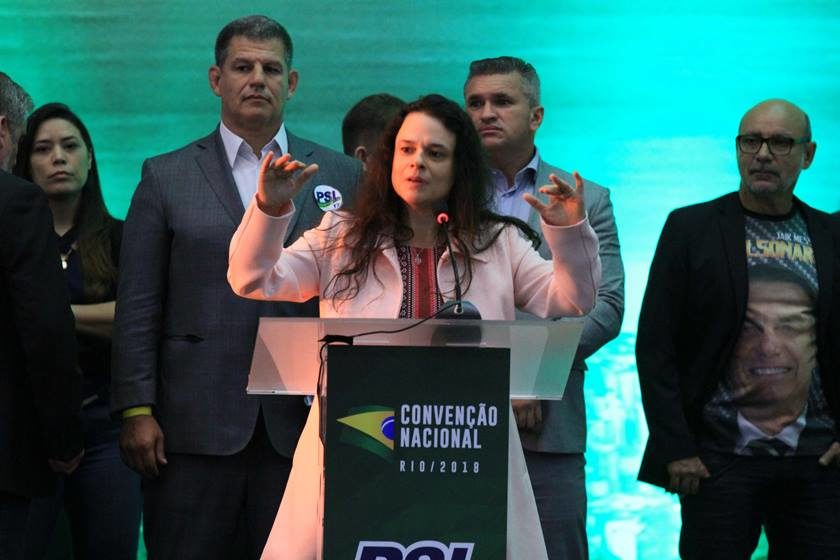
(507, 275)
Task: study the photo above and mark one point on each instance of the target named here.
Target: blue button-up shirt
(508, 199)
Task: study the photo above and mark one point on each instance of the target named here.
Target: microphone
(462, 309)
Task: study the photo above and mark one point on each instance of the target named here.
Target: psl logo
(421, 550)
(327, 197)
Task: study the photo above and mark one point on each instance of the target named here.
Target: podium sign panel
(416, 449)
(396, 486)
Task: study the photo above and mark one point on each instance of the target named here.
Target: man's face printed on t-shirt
(775, 355)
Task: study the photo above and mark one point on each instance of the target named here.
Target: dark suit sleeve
(40, 308)
(657, 350)
(603, 323)
(116, 242)
(141, 291)
(336, 170)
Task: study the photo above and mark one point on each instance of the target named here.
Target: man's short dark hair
(15, 103)
(768, 274)
(506, 65)
(256, 28)
(365, 122)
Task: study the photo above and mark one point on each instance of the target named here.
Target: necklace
(65, 257)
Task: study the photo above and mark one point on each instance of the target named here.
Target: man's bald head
(773, 146)
(784, 108)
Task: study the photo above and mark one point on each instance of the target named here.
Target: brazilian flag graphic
(371, 428)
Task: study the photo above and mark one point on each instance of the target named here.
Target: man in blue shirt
(502, 96)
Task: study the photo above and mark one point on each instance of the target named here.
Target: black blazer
(691, 317)
(39, 386)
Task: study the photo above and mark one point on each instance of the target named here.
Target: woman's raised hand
(279, 180)
(565, 204)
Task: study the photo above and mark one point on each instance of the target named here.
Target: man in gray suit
(215, 459)
(502, 96)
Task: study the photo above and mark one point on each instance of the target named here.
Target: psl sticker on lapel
(327, 197)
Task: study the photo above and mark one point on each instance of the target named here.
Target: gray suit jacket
(182, 340)
(564, 422)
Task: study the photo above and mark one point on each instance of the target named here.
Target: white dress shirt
(244, 162)
(788, 436)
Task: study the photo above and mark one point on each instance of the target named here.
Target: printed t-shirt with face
(770, 399)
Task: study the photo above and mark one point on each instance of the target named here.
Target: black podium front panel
(416, 451)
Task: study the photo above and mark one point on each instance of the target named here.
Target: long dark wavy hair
(378, 216)
(93, 223)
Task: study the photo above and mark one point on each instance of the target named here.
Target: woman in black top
(102, 497)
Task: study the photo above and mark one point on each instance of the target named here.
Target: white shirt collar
(749, 432)
(233, 143)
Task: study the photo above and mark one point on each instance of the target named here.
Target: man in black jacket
(736, 356)
(40, 402)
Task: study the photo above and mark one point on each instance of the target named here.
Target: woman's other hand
(565, 204)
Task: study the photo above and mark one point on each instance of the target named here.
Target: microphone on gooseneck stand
(462, 309)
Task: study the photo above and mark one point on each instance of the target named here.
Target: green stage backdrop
(641, 96)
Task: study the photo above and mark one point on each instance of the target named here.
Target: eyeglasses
(778, 145)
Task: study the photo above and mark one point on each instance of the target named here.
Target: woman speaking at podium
(385, 258)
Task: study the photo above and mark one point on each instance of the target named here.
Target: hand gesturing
(565, 204)
(279, 181)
